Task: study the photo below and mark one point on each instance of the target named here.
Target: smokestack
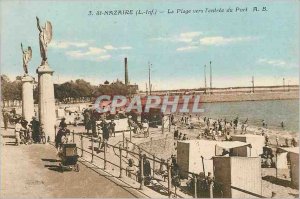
(126, 71)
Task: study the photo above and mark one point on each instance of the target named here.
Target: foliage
(11, 90)
(71, 89)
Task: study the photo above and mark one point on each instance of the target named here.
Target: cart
(69, 157)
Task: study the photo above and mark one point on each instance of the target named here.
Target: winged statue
(45, 37)
(27, 55)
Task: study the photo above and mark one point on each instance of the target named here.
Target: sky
(263, 44)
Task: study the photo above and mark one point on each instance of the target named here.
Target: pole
(170, 123)
(121, 170)
(162, 125)
(73, 136)
(126, 147)
(276, 165)
(210, 77)
(153, 163)
(104, 142)
(55, 130)
(148, 130)
(149, 65)
(205, 85)
(169, 179)
(130, 132)
(141, 171)
(203, 164)
(123, 138)
(252, 84)
(81, 141)
(211, 192)
(92, 140)
(283, 82)
(195, 186)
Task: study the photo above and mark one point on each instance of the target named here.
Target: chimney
(126, 71)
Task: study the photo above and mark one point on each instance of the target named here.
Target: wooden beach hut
(195, 156)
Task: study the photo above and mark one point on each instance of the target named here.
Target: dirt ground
(31, 171)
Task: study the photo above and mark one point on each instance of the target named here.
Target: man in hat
(112, 126)
(35, 126)
(105, 132)
(18, 129)
(63, 123)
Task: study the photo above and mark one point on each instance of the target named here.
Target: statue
(27, 55)
(45, 37)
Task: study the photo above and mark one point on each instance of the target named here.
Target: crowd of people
(27, 133)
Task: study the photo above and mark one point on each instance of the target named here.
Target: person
(87, 120)
(180, 136)
(294, 142)
(286, 142)
(175, 132)
(163, 169)
(5, 119)
(130, 169)
(146, 169)
(25, 137)
(63, 123)
(145, 128)
(94, 126)
(263, 123)
(35, 127)
(112, 126)
(105, 133)
(184, 137)
(58, 139)
(267, 140)
(173, 159)
(282, 125)
(18, 129)
(172, 119)
(228, 137)
(277, 141)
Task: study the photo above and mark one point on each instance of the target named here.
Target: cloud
(110, 47)
(277, 63)
(92, 53)
(186, 37)
(83, 50)
(220, 40)
(186, 48)
(67, 44)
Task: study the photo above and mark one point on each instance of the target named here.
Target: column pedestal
(27, 98)
(47, 116)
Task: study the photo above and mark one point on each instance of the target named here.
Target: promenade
(31, 171)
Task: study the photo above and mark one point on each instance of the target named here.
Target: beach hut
(238, 177)
(257, 142)
(293, 154)
(195, 156)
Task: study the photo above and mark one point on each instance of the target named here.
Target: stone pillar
(27, 98)
(47, 116)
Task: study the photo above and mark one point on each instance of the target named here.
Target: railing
(200, 186)
(121, 155)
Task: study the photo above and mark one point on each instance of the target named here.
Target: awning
(288, 149)
(232, 144)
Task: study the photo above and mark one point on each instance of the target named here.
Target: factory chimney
(126, 72)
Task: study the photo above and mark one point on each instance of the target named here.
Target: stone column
(47, 116)
(27, 98)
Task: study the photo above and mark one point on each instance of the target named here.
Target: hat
(129, 116)
(33, 117)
